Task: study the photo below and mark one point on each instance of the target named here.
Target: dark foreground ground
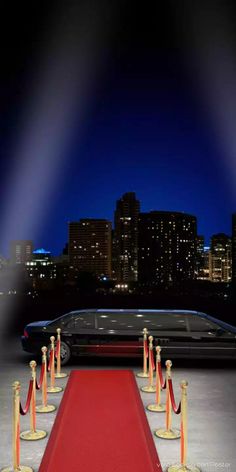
(211, 405)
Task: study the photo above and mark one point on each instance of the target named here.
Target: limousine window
(114, 321)
(138, 321)
(166, 322)
(82, 321)
(198, 324)
(64, 320)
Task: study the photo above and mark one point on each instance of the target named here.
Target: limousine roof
(221, 323)
(136, 310)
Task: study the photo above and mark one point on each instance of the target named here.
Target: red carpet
(101, 426)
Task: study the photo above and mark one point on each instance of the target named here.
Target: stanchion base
(165, 434)
(33, 435)
(156, 408)
(148, 389)
(143, 375)
(54, 389)
(183, 468)
(61, 375)
(21, 468)
(45, 409)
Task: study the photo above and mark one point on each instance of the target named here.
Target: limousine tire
(65, 353)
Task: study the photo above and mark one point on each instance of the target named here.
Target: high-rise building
(167, 247)
(234, 249)
(220, 258)
(125, 242)
(90, 246)
(21, 251)
(41, 270)
(205, 273)
(199, 255)
(202, 259)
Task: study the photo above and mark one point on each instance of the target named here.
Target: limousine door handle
(163, 341)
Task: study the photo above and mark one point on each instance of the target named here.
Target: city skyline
(56, 247)
(154, 249)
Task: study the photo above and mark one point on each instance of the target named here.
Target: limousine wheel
(65, 353)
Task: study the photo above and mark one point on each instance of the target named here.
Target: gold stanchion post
(15, 434)
(44, 407)
(52, 388)
(59, 374)
(157, 407)
(183, 467)
(33, 434)
(168, 432)
(150, 388)
(144, 374)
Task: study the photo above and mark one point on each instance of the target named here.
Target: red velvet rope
(57, 348)
(152, 359)
(176, 409)
(163, 382)
(50, 361)
(39, 384)
(25, 410)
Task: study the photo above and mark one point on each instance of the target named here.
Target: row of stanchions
(149, 366)
(34, 434)
(167, 432)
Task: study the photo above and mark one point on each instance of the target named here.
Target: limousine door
(118, 334)
(170, 332)
(121, 333)
(81, 333)
(208, 339)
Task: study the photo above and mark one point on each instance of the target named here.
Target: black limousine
(103, 332)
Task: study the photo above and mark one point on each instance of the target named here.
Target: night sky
(147, 126)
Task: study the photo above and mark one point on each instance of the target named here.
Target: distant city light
(41, 251)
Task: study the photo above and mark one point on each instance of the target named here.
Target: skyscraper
(125, 243)
(199, 256)
(234, 249)
(41, 270)
(220, 258)
(167, 247)
(90, 246)
(21, 251)
(202, 259)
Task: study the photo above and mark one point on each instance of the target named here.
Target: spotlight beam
(61, 93)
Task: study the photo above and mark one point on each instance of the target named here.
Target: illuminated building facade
(199, 256)
(221, 258)
(167, 247)
(21, 251)
(90, 246)
(205, 272)
(41, 270)
(125, 241)
(202, 259)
